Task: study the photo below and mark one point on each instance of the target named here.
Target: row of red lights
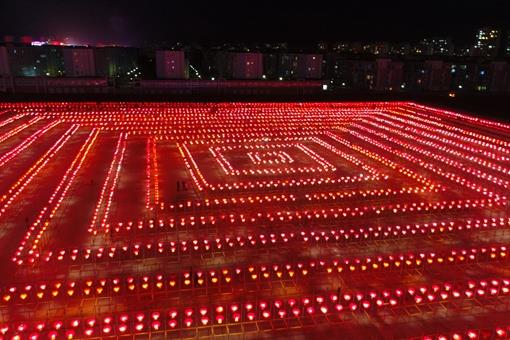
(152, 194)
(444, 128)
(385, 161)
(266, 240)
(370, 301)
(33, 236)
(472, 334)
(18, 129)
(234, 201)
(148, 174)
(270, 158)
(223, 201)
(102, 209)
(6, 157)
(318, 214)
(434, 146)
(301, 110)
(423, 130)
(430, 166)
(9, 120)
(476, 120)
(24, 180)
(117, 286)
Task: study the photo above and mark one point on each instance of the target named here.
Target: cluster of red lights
(228, 199)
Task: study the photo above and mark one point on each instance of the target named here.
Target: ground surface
(153, 220)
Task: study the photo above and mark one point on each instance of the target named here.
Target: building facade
(79, 62)
(115, 62)
(390, 75)
(4, 62)
(487, 43)
(247, 65)
(171, 65)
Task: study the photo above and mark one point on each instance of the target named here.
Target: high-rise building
(507, 47)
(309, 66)
(487, 42)
(322, 46)
(32, 61)
(115, 62)
(247, 65)
(389, 75)
(171, 65)
(300, 66)
(79, 62)
(435, 46)
(377, 48)
(400, 49)
(499, 76)
(437, 75)
(464, 75)
(341, 47)
(363, 74)
(270, 65)
(4, 62)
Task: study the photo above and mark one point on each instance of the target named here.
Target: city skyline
(128, 23)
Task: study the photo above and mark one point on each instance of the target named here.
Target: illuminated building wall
(487, 42)
(115, 62)
(79, 62)
(300, 66)
(435, 46)
(33, 61)
(4, 62)
(309, 66)
(500, 76)
(171, 65)
(247, 66)
(437, 75)
(389, 75)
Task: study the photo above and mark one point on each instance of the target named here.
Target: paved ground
(358, 220)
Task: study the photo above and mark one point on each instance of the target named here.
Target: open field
(247, 220)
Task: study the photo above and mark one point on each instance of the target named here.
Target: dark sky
(137, 22)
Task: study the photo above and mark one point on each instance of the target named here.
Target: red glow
(183, 219)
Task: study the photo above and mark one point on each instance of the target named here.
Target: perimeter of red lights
(182, 220)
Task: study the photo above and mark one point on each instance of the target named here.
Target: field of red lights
(249, 220)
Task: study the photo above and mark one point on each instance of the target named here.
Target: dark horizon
(132, 23)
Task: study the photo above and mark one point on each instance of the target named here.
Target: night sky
(145, 21)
